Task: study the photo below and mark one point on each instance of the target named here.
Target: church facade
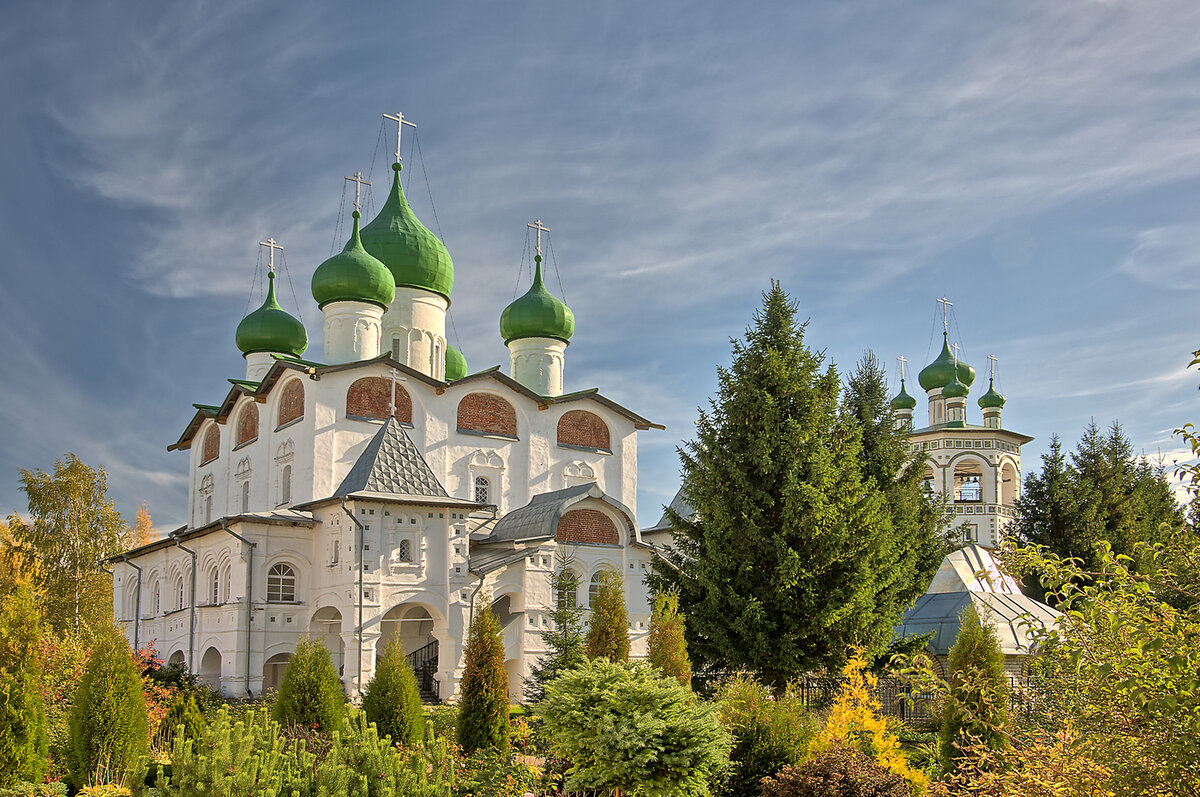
(382, 493)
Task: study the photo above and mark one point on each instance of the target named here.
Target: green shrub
(495, 773)
(182, 716)
(483, 712)
(564, 639)
(608, 628)
(392, 700)
(58, 789)
(768, 732)
(310, 692)
(668, 648)
(837, 772)
(626, 727)
(110, 731)
(976, 706)
(23, 735)
(441, 721)
(362, 764)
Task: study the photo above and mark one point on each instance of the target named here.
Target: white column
(537, 363)
(257, 365)
(418, 319)
(352, 331)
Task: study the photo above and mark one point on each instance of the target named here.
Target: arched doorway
(326, 626)
(210, 669)
(411, 623)
(968, 482)
(273, 671)
(177, 660)
(1010, 482)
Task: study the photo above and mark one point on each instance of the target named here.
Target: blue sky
(1036, 162)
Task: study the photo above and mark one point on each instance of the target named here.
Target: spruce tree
(110, 730)
(912, 544)
(1058, 510)
(483, 712)
(608, 627)
(392, 700)
(310, 692)
(976, 706)
(23, 739)
(668, 647)
(565, 639)
(776, 573)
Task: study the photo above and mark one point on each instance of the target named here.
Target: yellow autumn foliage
(856, 720)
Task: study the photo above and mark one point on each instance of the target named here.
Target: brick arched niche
(247, 425)
(212, 444)
(368, 398)
(584, 430)
(484, 413)
(587, 526)
(291, 402)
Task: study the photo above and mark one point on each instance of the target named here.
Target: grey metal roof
(391, 464)
(970, 576)
(539, 518)
(681, 507)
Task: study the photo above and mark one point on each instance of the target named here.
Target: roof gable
(391, 464)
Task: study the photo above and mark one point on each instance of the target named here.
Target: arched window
(281, 584)
(369, 398)
(179, 592)
(212, 445)
(594, 587)
(336, 555)
(246, 496)
(404, 551)
(214, 587)
(157, 597)
(587, 526)
(483, 490)
(291, 402)
(225, 579)
(285, 485)
(484, 413)
(568, 595)
(247, 425)
(208, 508)
(583, 429)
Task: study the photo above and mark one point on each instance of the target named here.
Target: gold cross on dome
(400, 123)
(271, 246)
(537, 225)
(359, 182)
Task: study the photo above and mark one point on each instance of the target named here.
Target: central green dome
(902, 400)
(410, 251)
(270, 329)
(537, 314)
(956, 389)
(941, 372)
(352, 275)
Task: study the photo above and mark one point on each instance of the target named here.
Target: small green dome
(956, 389)
(941, 372)
(410, 251)
(991, 399)
(537, 314)
(352, 275)
(456, 364)
(902, 400)
(270, 329)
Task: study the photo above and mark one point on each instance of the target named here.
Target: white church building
(381, 491)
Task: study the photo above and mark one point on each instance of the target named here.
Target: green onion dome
(991, 399)
(537, 314)
(956, 389)
(352, 275)
(270, 329)
(410, 251)
(902, 400)
(456, 364)
(941, 372)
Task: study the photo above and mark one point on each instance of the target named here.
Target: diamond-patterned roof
(391, 463)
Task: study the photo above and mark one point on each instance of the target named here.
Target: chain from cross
(946, 304)
(992, 366)
(359, 182)
(272, 246)
(903, 362)
(400, 123)
(537, 225)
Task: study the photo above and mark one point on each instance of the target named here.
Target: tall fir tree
(1058, 510)
(565, 639)
(392, 700)
(913, 542)
(608, 626)
(483, 707)
(667, 643)
(310, 692)
(777, 571)
(975, 710)
(72, 525)
(23, 740)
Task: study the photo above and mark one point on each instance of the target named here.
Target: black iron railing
(424, 662)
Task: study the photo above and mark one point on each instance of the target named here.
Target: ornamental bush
(23, 740)
(310, 693)
(623, 726)
(769, 732)
(392, 700)
(668, 648)
(975, 709)
(183, 716)
(483, 712)
(110, 731)
(837, 772)
(608, 629)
